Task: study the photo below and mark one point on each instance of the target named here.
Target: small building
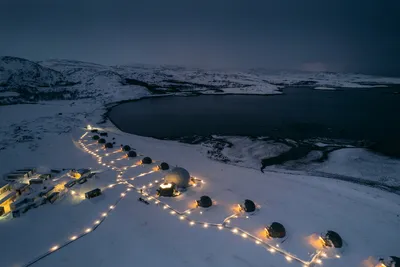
(15, 176)
(93, 193)
(126, 148)
(45, 176)
(35, 181)
(391, 261)
(179, 176)
(167, 190)
(6, 200)
(332, 239)
(81, 173)
(147, 160)
(275, 230)
(247, 206)
(4, 187)
(53, 197)
(81, 180)
(109, 145)
(31, 171)
(204, 202)
(131, 154)
(163, 166)
(20, 202)
(70, 184)
(20, 188)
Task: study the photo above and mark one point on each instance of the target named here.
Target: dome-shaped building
(163, 166)
(147, 160)
(108, 145)
(126, 148)
(179, 176)
(332, 239)
(248, 206)
(204, 202)
(131, 154)
(275, 230)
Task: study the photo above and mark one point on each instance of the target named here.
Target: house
(4, 187)
(35, 181)
(30, 171)
(6, 200)
(81, 173)
(93, 193)
(70, 184)
(15, 176)
(20, 188)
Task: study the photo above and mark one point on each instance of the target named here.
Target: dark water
(301, 113)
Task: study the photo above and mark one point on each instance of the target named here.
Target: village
(173, 189)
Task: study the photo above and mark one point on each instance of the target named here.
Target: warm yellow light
(104, 214)
(172, 212)
(191, 223)
(111, 207)
(54, 248)
(165, 207)
(205, 225)
(156, 181)
(97, 222)
(235, 230)
(157, 202)
(323, 254)
(73, 192)
(72, 238)
(107, 155)
(181, 217)
(272, 250)
(150, 184)
(112, 162)
(244, 235)
(288, 258)
(319, 261)
(228, 221)
(88, 230)
(89, 127)
(220, 227)
(337, 256)
(128, 189)
(122, 194)
(194, 185)
(188, 212)
(111, 186)
(258, 242)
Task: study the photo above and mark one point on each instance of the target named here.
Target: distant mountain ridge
(23, 81)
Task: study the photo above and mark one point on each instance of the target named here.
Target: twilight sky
(335, 35)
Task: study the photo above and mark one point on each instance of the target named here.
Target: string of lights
(183, 216)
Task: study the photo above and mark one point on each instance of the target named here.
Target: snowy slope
(134, 232)
(45, 135)
(18, 72)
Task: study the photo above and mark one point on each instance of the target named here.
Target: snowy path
(113, 164)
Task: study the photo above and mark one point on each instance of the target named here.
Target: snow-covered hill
(68, 79)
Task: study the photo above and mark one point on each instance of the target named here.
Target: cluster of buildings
(24, 189)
